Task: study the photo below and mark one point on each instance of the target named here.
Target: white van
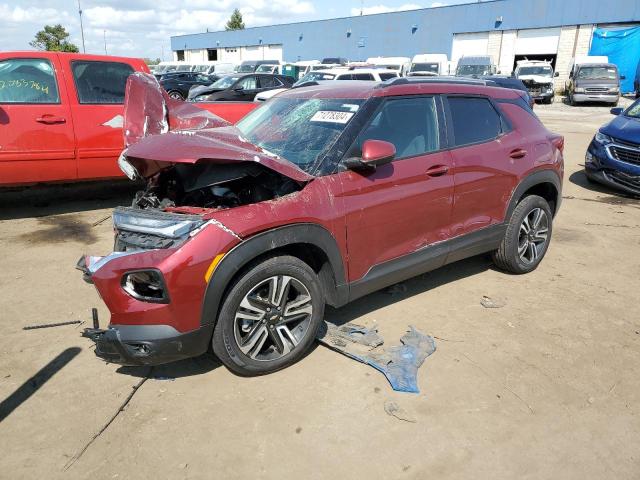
(399, 64)
(211, 67)
(428, 64)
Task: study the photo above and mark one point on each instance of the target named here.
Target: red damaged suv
(320, 196)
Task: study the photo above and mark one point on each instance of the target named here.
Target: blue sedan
(613, 157)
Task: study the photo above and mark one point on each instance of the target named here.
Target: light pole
(104, 36)
(81, 28)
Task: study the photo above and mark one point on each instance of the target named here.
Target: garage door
(537, 41)
(469, 44)
(273, 52)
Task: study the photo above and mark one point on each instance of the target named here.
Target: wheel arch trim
(246, 251)
(539, 177)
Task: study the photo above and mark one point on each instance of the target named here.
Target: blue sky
(142, 28)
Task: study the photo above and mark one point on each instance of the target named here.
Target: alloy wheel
(273, 318)
(533, 235)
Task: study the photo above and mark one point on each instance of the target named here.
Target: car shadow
(45, 200)
(170, 371)
(580, 179)
(409, 288)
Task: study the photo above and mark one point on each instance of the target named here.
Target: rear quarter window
(28, 80)
(474, 120)
(100, 82)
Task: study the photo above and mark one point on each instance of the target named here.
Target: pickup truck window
(28, 80)
(100, 82)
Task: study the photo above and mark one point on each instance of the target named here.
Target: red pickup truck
(61, 115)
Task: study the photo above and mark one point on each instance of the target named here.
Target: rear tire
(527, 237)
(269, 318)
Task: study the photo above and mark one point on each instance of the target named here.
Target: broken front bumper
(148, 344)
(148, 330)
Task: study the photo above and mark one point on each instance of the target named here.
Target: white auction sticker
(331, 116)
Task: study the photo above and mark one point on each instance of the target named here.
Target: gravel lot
(544, 387)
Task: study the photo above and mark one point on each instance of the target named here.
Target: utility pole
(361, 6)
(81, 28)
(104, 36)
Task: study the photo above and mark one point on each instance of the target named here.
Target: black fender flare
(536, 178)
(251, 248)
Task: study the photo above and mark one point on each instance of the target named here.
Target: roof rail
(438, 79)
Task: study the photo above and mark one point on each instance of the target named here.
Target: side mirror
(374, 153)
(623, 77)
(556, 74)
(238, 89)
(616, 110)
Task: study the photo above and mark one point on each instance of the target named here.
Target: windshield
(313, 76)
(473, 70)
(544, 71)
(299, 130)
(200, 68)
(597, 73)
(265, 68)
(634, 110)
(247, 68)
(225, 82)
(424, 67)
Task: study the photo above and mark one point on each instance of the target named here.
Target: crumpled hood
(535, 78)
(624, 128)
(160, 132)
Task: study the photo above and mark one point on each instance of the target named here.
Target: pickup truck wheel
(269, 318)
(176, 95)
(527, 237)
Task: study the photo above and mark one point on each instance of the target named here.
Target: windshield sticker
(350, 106)
(331, 116)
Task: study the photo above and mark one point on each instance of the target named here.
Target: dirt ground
(544, 387)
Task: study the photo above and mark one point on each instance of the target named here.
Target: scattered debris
(393, 409)
(49, 325)
(339, 335)
(488, 302)
(399, 363)
(102, 220)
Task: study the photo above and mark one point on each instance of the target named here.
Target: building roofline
(470, 2)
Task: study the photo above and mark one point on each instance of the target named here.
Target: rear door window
(387, 76)
(474, 120)
(346, 76)
(28, 80)
(363, 76)
(269, 82)
(100, 82)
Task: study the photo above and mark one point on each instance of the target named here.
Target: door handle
(50, 119)
(437, 170)
(518, 153)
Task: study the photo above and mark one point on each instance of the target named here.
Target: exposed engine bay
(213, 186)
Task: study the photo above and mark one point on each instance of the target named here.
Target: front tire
(269, 318)
(527, 237)
(176, 95)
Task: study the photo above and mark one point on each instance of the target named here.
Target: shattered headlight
(146, 285)
(166, 226)
(126, 167)
(602, 139)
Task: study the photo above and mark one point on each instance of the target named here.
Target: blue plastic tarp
(623, 49)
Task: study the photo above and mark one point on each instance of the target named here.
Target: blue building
(508, 30)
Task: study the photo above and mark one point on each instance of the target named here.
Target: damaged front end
(539, 90)
(168, 242)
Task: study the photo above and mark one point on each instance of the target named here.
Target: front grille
(596, 90)
(626, 154)
(622, 178)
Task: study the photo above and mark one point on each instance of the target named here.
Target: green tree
(53, 38)
(235, 22)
